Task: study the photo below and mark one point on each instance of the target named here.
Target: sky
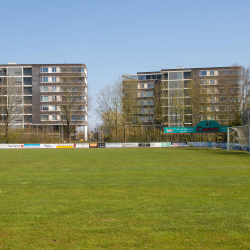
(125, 37)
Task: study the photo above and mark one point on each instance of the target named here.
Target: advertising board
(178, 144)
(208, 126)
(48, 145)
(166, 144)
(93, 145)
(113, 145)
(144, 145)
(82, 145)
(64, 145)
(130, 145)
(100, 145)
(31, 145)
(11, 145)
(196, 144)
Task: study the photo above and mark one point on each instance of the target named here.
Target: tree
(10, 103)
(104, 109)
(130, 105)
(71, 103)
(110, 109)
(198, 100)
(234, 91)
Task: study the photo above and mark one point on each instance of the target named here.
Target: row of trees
(221, 97)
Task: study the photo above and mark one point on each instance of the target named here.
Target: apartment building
(37, 95)
(164, 98)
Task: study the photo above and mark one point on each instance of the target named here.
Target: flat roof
(182, 69)
(41, 64)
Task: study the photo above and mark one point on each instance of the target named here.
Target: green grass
(140, 198)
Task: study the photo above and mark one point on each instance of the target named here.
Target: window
(141, 77)
(142, 119)
(2, 72)
(150, 85)
(150, 94)
(28, 110)
(203, 73)
(175, 75)
(166, 76)
(53, 78)
(213, 99)
(44, 108)
(142, 94)
(142, 102)
(27, 99)
(28, 118)
(53, 69)
(14, 71)
(175, 84)
(212, 108)
(211, 72)
(54, 108)
(44, 89)
(80, 98)
(150, 102)
(54, 117)
(142, 86)
(54, 89)
(187, 75)
(77, 69)
(203, 82)
(44, 98)
(78, 118)
(44, 117)
(27, 71)
(27, 90)
(44, 79)
(44, 70)
(16, 80)
(151, 111)
(211, 81)
(27, 81)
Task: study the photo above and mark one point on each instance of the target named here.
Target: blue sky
(124, 37)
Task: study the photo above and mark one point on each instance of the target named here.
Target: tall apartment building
(39, 94)
(170, 89)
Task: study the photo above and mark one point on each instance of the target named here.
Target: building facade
(35, 95)
(179, 97)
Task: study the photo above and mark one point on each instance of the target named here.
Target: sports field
(138, 198)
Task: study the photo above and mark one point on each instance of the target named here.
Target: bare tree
(105, 109)
(198, 100)
(234, 91)
(71, 104)
(117, 105)
(110, 109)
(10, 103)
(130, 105)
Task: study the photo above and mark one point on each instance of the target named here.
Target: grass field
(141, 198)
